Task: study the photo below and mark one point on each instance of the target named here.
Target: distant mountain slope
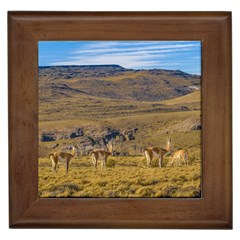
(90, 105)
(81, 71)
(115, 82)
(189, 98)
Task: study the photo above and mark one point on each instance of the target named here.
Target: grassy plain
(150, 103)
(128, 176)
(124, 177)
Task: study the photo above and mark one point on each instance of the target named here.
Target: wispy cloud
(129, 54)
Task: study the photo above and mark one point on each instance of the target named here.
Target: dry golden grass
(189, 98)
(126, 75)
(124, 177)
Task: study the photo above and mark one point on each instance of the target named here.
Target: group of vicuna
(102, 155)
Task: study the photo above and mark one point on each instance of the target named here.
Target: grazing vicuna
(180, 155)
(156, 152)
(61, 157)
(101, 155)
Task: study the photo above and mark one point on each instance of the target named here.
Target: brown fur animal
(101, 155)
(61, 157)
(180, 155)
(156, 152)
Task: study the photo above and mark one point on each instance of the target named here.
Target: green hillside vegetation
(135, 109)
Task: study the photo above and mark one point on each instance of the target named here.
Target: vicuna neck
(168, 146)
(110, 149)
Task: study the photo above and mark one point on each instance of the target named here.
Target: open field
(124, 177)
(87, 107)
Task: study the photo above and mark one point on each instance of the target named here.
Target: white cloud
(137, 54)
(115, 47)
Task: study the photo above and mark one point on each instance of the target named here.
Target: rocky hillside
(88, 106)
(115, 82)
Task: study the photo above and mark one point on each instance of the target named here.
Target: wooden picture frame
(213, 210)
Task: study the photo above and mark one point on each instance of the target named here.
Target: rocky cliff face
(87, 138)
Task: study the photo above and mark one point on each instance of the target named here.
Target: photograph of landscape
(119, 119)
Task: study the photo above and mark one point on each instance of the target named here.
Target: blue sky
(172, 55)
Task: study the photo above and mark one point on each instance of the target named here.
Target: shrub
(111, 163)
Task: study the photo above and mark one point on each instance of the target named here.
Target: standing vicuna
(156, 152)
(180, 155)
(101, 155)
(61, 157)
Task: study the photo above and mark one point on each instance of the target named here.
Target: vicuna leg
(67, 165)
(103, 164)
(179, 161)
(186, 159)
(172, 162)
(160, 161)
(148, 159)
(54, 164)
(95, 164)
(94, 161)
(54, 167)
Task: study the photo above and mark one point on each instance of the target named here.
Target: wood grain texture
(213, 210)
